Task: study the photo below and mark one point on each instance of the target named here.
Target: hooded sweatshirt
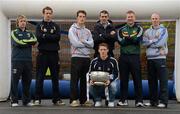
(155, 39)
(81, 41)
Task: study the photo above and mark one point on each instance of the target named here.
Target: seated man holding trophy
(103, 73)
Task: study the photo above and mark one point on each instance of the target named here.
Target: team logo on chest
(52, 31)
(45, 30)
(28, 34)
(108, 69)
(20, 34)
(99, 68)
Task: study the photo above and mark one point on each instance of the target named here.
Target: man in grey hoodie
(81, 42)
(155, 39)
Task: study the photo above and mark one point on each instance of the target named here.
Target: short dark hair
(130, 11)
(104, 44)
(104, 11)
(81, 11)
(47, 8)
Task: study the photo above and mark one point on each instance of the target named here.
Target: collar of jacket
(45, 22)
(21, 29)
(78, 27)
(99, 23)
(99, 58)
(108, 21)
(160, 26)
(135, 25)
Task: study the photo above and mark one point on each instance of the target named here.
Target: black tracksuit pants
(21, 69)
(45, 60)
(79, 68)
(157, 70)
(130, 64)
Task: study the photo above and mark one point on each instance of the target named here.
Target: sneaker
(150, 104)
(111, 104)
(74, 103)
(36, 103)
(98, 104)
(14, 104)
(29, 104)
(87, 103)
(147, 104)
(120, 103)
(162, 105)
(139, 104)
(59, 103)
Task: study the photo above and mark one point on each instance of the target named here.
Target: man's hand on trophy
(107, 82)
(91, 82)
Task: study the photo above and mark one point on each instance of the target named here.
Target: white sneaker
(74, 103)
(98, 104)
(150, 105)
(139, 104)
(162, 105)
(147, 104)
(120, 103)
(14, 104)
(111, 104)
(30, 104)
(36, 103)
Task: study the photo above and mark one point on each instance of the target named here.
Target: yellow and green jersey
(21, 44)
(129, 37)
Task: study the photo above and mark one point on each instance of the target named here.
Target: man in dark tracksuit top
(129, 37)
(22, 41)
(48, 44)
(104, 63)
(104, 32)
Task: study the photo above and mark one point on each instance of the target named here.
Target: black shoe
(106, 102)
